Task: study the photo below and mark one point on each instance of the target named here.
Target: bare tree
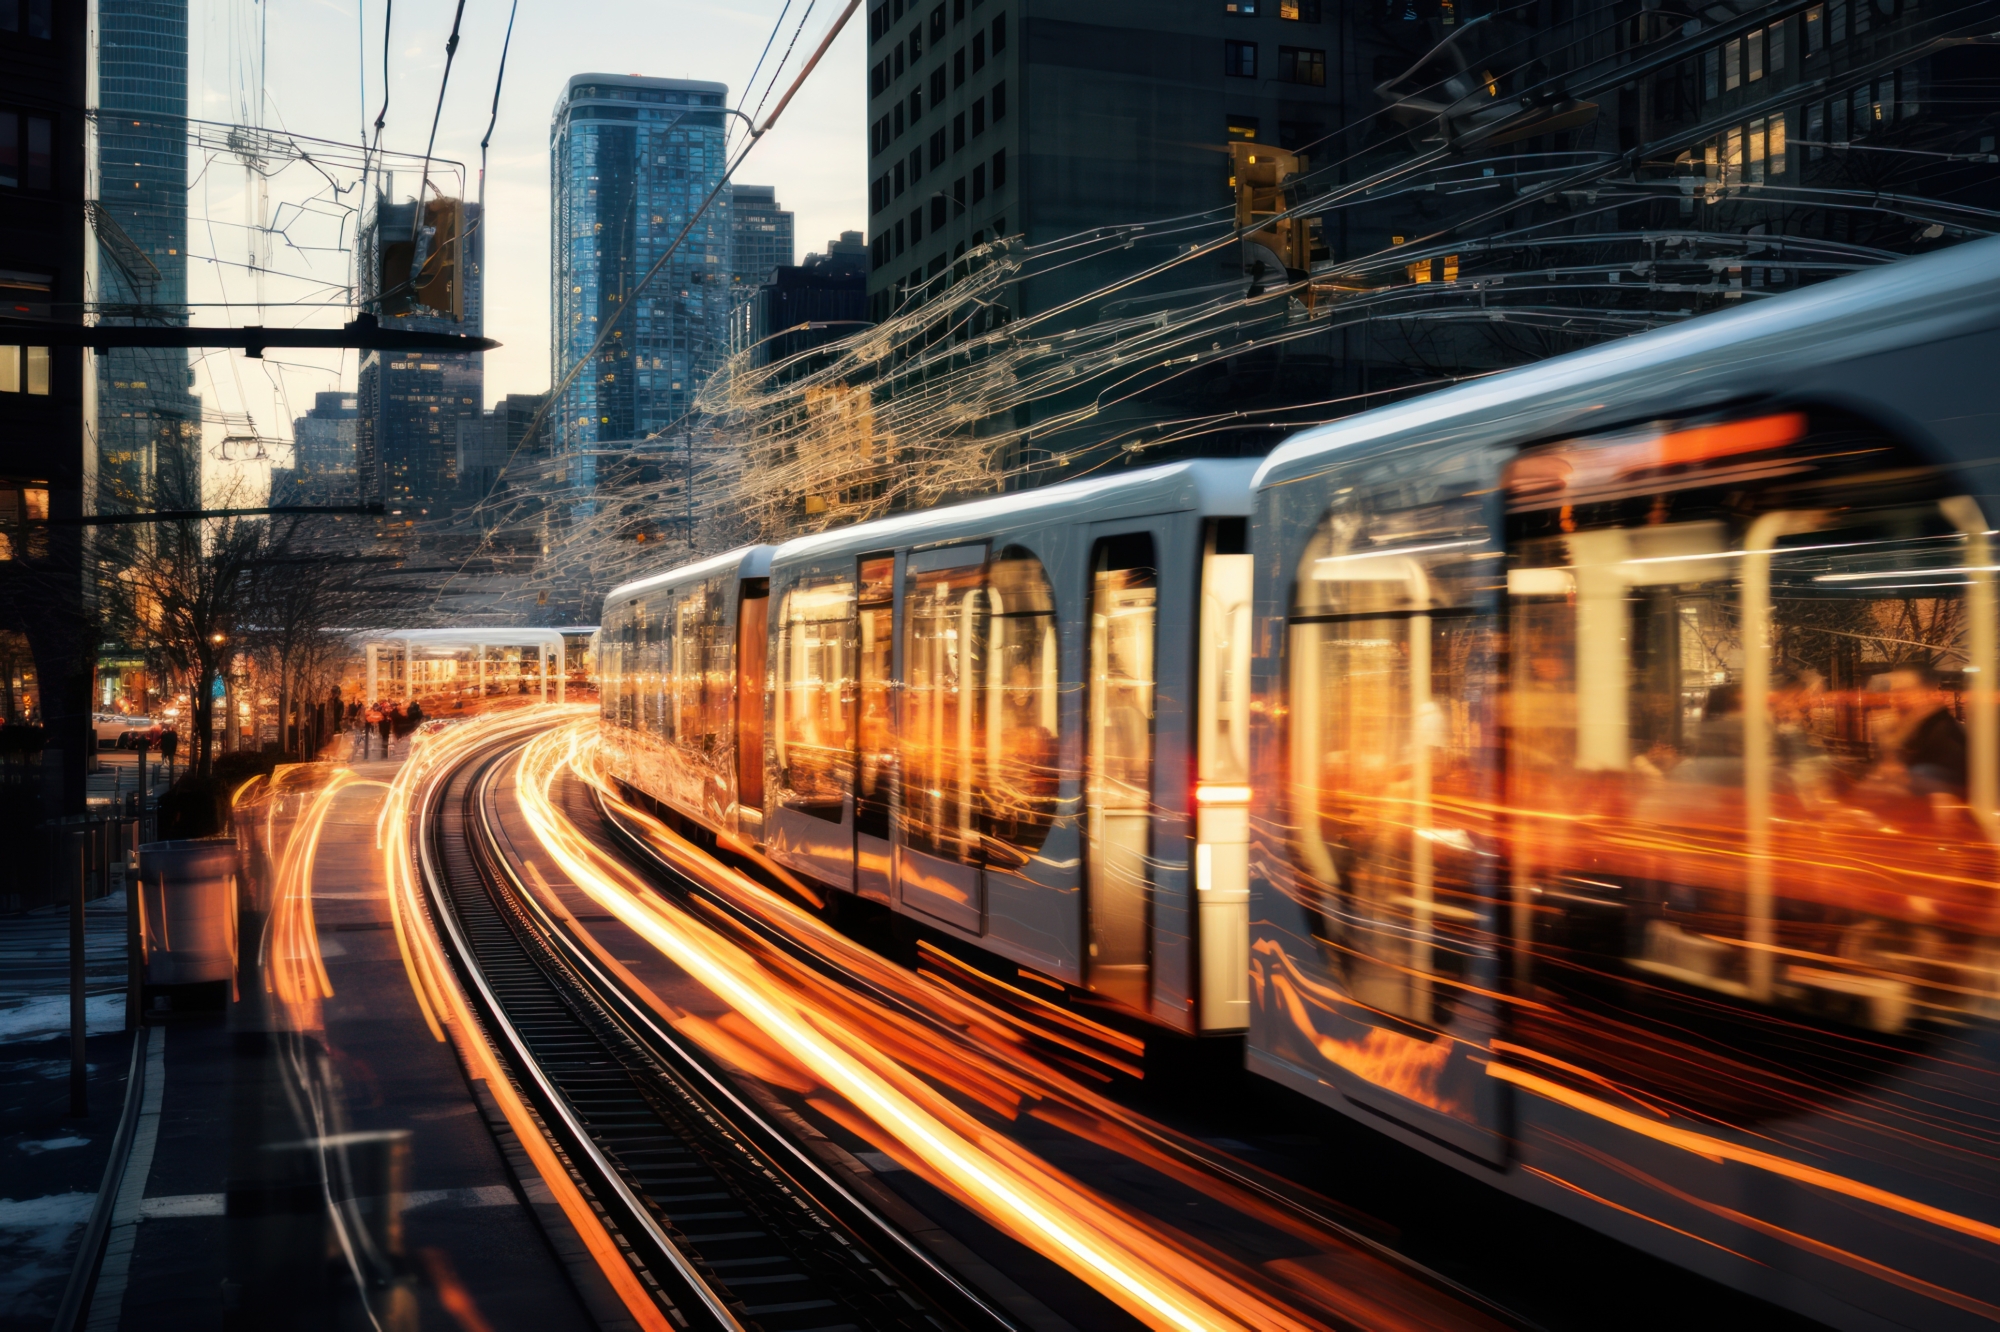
(185, 586)
(305, 589)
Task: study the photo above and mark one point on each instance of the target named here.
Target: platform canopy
(437, 644)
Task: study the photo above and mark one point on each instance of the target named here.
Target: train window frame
(1118, 874)
(1765, 524)
(876, 756)
(1013, 830)
(829, 790)
(1411, 535)
(942, 818)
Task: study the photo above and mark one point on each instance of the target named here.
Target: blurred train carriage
(1610, 806)
(1023, 720)
(1626, 788)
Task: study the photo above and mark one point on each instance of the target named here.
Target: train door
(752, 622)
(1392, 655)
(1118, 755)
(944, 639)
(1222, 777)
(874, 728)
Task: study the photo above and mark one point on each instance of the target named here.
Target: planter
(187, 904)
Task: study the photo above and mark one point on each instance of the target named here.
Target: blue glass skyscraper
(144, 403)
(630, 160)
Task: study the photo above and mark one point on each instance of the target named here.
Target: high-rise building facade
(145, 402)
(630, 160)
(324, 443)
(760, 234)
(409, 403)
(1530, 163)
(795, 309)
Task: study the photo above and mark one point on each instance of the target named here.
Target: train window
(660, 666)
(1750, 666)
(628, 659)
(1390, 739)
(1019, 719)
(702, 669)
(814, 743)
(874, 737)
(944, 607)
(1118, 801)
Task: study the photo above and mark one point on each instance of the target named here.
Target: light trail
(418, 783)
(878, 1061)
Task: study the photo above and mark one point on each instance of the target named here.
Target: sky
(317, 55)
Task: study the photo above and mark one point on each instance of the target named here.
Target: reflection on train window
(943, 605)
(1753, 730)
(1019, 715)
(702, 669)
(814, 744)
(874, 740)
(1390, 745)
(1119, 755)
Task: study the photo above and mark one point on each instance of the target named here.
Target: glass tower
(410, 403)
(145, 407)
(760, 233)
(630, 160)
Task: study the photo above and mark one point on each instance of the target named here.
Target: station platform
(222, 1220)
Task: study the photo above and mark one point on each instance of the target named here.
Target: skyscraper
(144, 403)
(630, 161)
(409, 402)
(760, 234)
(323, 453)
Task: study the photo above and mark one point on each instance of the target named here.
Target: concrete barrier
(187, 906)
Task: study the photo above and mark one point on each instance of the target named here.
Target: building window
(24, 370)
(999, 174)
(916, 105)
(916, 225)
(1300, 64)
(1239, 60)
(958, 68)
(999, 34)
(978, 50)
(937, 150)
(958, 193)
(899, 60)
(1774, 46)
(979, 117)
(899, 180)
(1240, 8)
(899, 122)
(978, 183)
(1711, 74)
(899, 236)
(957, 11)
(958, 131)
(1299, 11)
(937, 25)
(916, 163)
(1815, 29)
(27, 157)
(999, 99)
(916, 43)
(1242, 129)
(1297, 136)
(937, 86)
(937, 212)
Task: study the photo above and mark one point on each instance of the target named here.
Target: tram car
(1588, 775)
(1625, 795)
(1021, 720)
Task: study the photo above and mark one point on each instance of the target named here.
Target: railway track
(726, 1221)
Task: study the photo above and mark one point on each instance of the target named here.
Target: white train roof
(1701, 363)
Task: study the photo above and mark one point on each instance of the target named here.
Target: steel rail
(1303, 1206)
(651, 1128)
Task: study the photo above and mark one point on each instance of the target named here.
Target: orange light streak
(430, 763)
(1718, 1149)
(1036, 1203)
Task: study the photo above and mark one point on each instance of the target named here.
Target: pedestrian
(169, 742)
(386, 723)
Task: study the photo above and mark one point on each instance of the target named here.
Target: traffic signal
(1260, 172)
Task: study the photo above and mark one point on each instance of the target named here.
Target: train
(1587, 775)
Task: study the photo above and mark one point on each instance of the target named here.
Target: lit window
(1299, 64)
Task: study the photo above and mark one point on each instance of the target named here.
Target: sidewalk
(230, 1233)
